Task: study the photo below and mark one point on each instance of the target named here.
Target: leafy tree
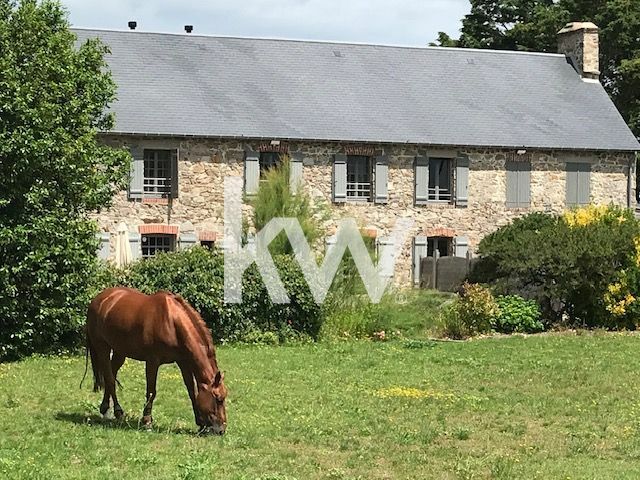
(53, 174)
(275, 199)
(532, 25)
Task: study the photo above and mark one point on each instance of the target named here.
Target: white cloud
(406, 22)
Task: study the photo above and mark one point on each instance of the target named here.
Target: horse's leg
(189, 382)
(117, 360)
(103, 352)
(152, 377)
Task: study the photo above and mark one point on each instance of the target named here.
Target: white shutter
(462, 181)
(386, 252)
(295, 171)
(251, 172)
(136, 245)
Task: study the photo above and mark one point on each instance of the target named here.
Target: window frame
(155, 189)
(145, 249)
(436, 196)
(434, 243)
(353, 187)
(274, 161)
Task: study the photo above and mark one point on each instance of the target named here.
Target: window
(441, 244)
(157, 173)
(578, 183)
(156, 243)
(359, 177)
(208, 244)
(268, 160)
(518, 184)
(439, 189)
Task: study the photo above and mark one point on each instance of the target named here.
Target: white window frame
(363, 166)
(157, 185)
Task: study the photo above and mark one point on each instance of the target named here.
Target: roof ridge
(324, 42)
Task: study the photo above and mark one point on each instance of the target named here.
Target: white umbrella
(123, 248)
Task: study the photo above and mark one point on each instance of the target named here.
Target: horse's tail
(86, 357)
(98, 376)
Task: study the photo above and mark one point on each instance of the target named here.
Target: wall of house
(203, 165)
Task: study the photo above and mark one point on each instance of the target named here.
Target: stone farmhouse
(462, 141)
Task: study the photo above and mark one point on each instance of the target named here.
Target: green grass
(536, 407)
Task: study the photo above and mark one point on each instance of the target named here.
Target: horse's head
(210, 402)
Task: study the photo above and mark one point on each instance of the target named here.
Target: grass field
(538, 407)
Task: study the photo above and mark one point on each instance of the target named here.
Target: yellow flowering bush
(582, 267)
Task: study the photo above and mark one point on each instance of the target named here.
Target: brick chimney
(580, 42)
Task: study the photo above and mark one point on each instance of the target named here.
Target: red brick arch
(440, 232)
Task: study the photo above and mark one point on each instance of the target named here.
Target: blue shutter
(251, 172)
(462, 181)
(104, 247)
(382, 179)
(524, 184)
(175, 155)
(340, 178)
(461, 246)
(584, 184)
(512, 184)
(188, 240)
(136, 182)
(420, 250)
(421, 180)
(295, 171)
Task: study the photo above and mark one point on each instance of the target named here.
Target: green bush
(568, 264)
(473, 312)
(198, 275)
(517, 315)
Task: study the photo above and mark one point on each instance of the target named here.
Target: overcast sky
(403, 22)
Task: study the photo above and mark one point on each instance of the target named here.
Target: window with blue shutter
(578, 183)
(420, 246)
(340, 178)
(421, 180)
(381, 179)
(518, 184)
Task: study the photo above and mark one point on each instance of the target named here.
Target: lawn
(556, 406)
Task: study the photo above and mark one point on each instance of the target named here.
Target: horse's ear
(218, 378)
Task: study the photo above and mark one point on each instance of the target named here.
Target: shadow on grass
(127, 423)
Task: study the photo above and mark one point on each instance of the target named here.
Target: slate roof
(192, 85)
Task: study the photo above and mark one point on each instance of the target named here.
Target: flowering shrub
(581, 266)
(473, 312)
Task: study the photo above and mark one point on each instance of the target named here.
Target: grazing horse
(156, 329)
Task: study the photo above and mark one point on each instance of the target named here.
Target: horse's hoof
(108, 415)
(119, 414)
(147, 422)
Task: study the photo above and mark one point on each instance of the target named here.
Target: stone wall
(203, 165)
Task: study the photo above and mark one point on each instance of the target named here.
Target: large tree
(53, 173)
(532, 25)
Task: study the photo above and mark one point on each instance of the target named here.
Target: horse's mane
(199, 325)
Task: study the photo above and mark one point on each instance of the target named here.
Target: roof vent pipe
(188, 28)
(133, 25)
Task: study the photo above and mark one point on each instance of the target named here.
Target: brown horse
(156, 329)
